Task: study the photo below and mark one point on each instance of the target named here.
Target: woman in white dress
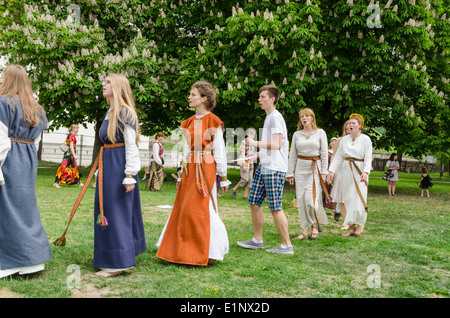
(355, 156)
(393, 165)
(308, 165)
(336, 191)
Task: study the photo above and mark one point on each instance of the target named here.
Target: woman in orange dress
(194, 234)
(68, 171)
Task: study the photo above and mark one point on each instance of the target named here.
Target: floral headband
(360, 116)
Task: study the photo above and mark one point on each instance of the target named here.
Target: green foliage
(336, 57)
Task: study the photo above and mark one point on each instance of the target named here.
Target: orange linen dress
(187, 235)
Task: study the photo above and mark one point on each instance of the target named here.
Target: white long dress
(314, 145)
(360, 148)
(336, 191)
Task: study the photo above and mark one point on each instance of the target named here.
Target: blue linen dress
(118, 244)
(23, 240)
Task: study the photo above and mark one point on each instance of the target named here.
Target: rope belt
(351, 162)
(98, 163)
(22, 140)
(324, 188)
(200, 174)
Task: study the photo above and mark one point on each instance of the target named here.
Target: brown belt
(22, 140)
(200, 173)
(350, 162)
(324, 188)
(98, 163)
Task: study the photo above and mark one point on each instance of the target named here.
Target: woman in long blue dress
(120, 237)
(24, 245)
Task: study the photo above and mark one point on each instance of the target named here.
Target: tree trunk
(97, 143)
(399, 159)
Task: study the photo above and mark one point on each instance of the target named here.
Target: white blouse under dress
(219, 244)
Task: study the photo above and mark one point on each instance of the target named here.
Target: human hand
(128, 187)
(330, 177)
(290, 180)
(364, 177)
(224, 189)
(250, 142)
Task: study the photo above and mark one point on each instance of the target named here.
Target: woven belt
(22, 140)
(98, 163)
(350, 162)
(201, 179)
(324, 188)
(199, 153)
(353, 159)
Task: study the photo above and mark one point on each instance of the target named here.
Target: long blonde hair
(16, 84)
(344, 129)
(123, 107)
(309, 112)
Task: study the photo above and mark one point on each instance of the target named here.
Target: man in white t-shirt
(270, 176)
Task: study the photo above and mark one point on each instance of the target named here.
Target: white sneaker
(282, 250)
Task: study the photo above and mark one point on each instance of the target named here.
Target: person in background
(68, 171)
(425, 182)
(156, 168)
(246, 166)
(326, 203)
(24, 245)
(393, 165)
(336, 191)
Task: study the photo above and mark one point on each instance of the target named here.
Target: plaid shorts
(268, 183)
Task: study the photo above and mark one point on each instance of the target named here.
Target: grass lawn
(404, 251)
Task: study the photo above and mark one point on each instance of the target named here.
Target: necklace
(307, 135)
(354, 139)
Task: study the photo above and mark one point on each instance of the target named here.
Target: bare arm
(274, 144)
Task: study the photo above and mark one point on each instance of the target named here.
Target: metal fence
(85, 144)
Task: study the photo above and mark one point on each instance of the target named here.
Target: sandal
(301, 236)
(359, 230)
(351, 231)
(314, 233)
(103, 273)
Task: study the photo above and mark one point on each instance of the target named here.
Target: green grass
(406, 237)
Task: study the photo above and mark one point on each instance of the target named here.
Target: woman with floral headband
(354, 156)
